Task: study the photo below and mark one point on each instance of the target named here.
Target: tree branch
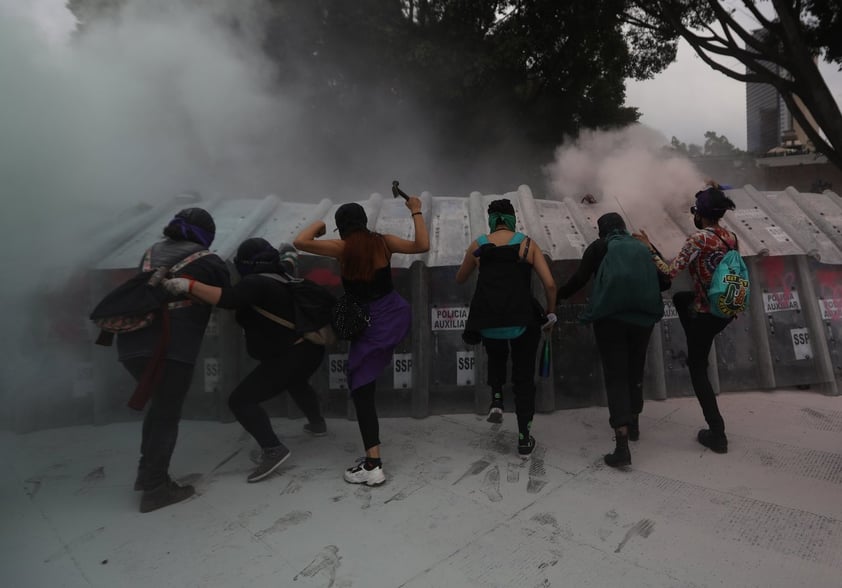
(807, 126)
(752, 7)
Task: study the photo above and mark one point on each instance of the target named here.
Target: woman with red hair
(364, 261)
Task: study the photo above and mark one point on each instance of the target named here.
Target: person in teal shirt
(504, 315)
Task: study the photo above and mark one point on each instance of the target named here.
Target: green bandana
(495, 217)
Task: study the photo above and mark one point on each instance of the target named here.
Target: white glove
(551, 320)
(178, 286)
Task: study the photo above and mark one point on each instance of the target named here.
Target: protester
(286, 359)
(624, 305)
(364, 261)
(701, 253)
(504, 313)
(162, 356)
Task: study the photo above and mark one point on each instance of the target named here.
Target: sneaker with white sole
(270, 461)
(358, 474)
(495, 415)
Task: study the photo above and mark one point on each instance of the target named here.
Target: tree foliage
(480, 71)
(715, 146)
(719, 145)
(779, 49)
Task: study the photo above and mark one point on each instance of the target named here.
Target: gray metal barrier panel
(456, 378)
(828, 284)
(674, 345)
(828, 280)
(576, 373)
(786, 327)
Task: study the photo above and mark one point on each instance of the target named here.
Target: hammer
(397, 191)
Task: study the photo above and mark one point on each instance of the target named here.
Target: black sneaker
(495, 414)
(716, 443)
(316, 429)
(164, 495)
(271, 460)
(525, 446)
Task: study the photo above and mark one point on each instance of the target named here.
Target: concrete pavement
(460, 506)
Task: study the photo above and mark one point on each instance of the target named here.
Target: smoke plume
(626, 170)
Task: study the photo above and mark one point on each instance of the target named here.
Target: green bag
(626, 285)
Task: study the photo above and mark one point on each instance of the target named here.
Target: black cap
(350, 217)
(256, 255)
(610, 222)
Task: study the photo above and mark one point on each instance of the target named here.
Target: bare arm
(306, 241)
(422, 236)
(205, 292)
(469, 264)
(688, 253)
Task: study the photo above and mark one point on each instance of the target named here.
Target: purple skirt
(371, 352)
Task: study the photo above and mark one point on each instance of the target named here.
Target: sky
(686, 100)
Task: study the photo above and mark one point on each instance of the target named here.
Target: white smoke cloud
(168, 96)
(164, 99)
(627, 167)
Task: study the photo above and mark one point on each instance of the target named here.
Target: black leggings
(363, 398)
(290, 372)
(523, 350)
(622, 348)
(160, 425)
(700, 329)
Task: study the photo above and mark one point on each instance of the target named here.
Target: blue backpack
(728, 293)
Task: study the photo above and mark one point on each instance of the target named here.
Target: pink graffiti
(829, 286)
(780, 281)
(323, 277)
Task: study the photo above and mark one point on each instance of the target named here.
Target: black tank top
(366, 291)
(503, 296)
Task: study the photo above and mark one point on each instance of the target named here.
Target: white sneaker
(359, 475)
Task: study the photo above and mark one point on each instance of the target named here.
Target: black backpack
(312, 306)
(136, 303)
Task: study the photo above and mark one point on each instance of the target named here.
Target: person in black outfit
(623, 311)
(170, 354)
(286, 360)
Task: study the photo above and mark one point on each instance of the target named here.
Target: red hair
(360, 256)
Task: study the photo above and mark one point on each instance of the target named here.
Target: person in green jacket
(624, 305)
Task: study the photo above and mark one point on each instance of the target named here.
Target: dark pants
(700, 329)
(622, 348)
(366, 410)
(269, 379)
(523, 351)
(160, 425)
